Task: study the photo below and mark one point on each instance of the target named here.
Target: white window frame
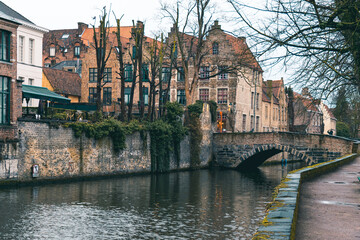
(21, 48)
(31, 50)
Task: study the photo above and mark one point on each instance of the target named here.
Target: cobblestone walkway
(329, 206)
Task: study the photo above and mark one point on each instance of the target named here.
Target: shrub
(342, 129)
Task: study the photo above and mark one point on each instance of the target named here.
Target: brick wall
(9, 69)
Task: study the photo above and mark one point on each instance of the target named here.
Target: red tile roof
(125, 35)
(64, 82)
(308, 102)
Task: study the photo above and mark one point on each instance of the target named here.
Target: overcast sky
(66, 14)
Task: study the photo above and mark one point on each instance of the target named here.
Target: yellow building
(67, 84)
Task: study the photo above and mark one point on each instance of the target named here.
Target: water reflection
(206, 204)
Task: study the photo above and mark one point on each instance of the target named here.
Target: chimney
(305, 91)
(173, 28)
(81, 27)
(216, 25)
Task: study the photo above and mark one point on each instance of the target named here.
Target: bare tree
(121, 72)
(191, 47)
(102, 55)
(155, 58)
(137, 34)
(320, 38)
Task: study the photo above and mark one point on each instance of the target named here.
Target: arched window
(215, 48)
(77, 50)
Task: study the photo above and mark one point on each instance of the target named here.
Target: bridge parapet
(252, 149)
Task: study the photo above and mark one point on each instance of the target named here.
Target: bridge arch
(237, 150)
(261, 153)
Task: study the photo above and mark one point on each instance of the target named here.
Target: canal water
(204, 204)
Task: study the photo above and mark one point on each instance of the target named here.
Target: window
(266, 112)
(252, 100)
(204, 95)
(257, 101)
(145, 72)
(222, 95)
(257, 123)
(181, 98)
(65, 36)
(31, 51)
(127, 95)
(133, 52)
(31, 81)
(222, 117)
(215, 48)
(5, 45)
(165, 97)
(21, 49)
(128, 72)
(244, 122)
(107, 95)
(252, 123)
(77, 51)
(274, 113)
(145, 91)
(92, 74)
(92, 95)
(107, 75)
(204, 72)
(174, 50)
(165, 75)
(52, 51)
(222, 72)
(180, 75)
(4, 100)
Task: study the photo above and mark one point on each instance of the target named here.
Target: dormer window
(215, 48)
(52, 51)
(77, 51)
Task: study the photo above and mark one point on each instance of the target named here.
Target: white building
(29, 49)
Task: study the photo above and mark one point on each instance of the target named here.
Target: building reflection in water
(209, 204)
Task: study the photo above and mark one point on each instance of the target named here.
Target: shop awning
(43, 94)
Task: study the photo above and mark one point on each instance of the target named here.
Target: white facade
(29, 59)
(248, 99)
(329, 120)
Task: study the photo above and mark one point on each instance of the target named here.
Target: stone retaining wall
(280, 221)
(60, 155)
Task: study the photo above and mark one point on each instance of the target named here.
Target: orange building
(67, 84)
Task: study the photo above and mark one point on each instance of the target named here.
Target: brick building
(10, 87)
(237, 91)
(308, 116)
(111, 90)
(63, 49)
(274, 109)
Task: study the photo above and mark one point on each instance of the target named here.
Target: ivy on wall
(112, 128)
(165, 134)
(195, 133)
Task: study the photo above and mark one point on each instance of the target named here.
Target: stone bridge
(249, 150)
